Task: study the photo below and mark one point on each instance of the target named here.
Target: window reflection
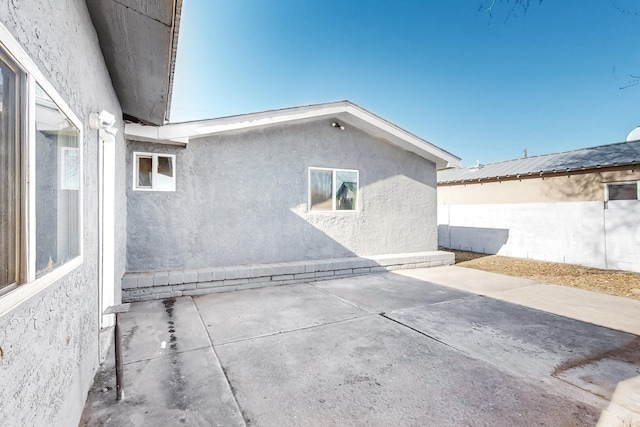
(57, 186)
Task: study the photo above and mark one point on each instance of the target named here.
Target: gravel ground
(614, 282)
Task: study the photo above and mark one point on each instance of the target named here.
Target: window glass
(164, 178)
(623, 191)
(145, 168)
(154, 172)
(8, 177)
(321, 190)
(57, 186)
(333, 190)
(346, 190)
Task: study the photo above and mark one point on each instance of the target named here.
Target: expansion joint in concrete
(297, 329)
(384, 315)
(224, 371)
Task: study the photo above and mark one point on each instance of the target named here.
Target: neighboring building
(298, 185)
(578, 207)
(61, 186)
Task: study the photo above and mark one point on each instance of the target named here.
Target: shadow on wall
(474, 239)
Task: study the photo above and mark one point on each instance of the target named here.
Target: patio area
(439, 346)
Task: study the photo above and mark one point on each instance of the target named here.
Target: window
(9, 176)
(154, 172)
(40, 179)
(333, 189)
(57, 186)
(622, 191)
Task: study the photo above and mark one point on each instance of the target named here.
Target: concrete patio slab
(467, 279)
(385, 292)
(322, 353)
(373, 372)
(187, 389)
(234, 316)
(156, 328)
(522, 341)
(592, 307)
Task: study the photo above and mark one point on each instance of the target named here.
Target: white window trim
(333, 191)
(607, 184)
(154, 171)
(32, 76)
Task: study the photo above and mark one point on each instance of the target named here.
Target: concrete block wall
(593, 234)
(175, 283)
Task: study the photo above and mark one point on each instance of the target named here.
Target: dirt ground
(620, 283)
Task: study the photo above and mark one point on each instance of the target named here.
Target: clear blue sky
(483, 88)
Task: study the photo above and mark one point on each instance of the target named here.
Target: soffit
(138, 39)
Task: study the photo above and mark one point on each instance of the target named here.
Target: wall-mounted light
(337, 125)
(103, 120)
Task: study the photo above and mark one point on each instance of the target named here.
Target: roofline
(542, 173)
(173, 48)
(182, 133)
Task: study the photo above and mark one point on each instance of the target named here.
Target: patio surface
(444, 346)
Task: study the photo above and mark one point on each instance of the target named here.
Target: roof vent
(634, 135)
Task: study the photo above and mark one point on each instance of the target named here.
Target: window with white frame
(40, 175)
(154, 172)
(333, 189)
(622, 191)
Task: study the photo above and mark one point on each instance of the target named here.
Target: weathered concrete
(320, 354)
(49, 343)
(241, 198)
(592, 307)
(380, 293)
(371, 371)
(235, 316)
(172, 375)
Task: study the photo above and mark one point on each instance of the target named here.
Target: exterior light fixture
(337, 125)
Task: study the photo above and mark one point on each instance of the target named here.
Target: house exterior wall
(242, 198)
(576, 187)
(49, 343)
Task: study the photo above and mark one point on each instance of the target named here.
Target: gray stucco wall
(50, 342)
(242, 198)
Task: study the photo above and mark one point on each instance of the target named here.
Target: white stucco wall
(242, 198)
(583, 233)
(49, 343)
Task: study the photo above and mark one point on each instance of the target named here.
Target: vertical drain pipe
(117, 309)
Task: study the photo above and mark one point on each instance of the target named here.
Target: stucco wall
(583, 233)
(50, 342)
(242, 198)
(576, 187)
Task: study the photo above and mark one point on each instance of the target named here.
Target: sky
(483, 86)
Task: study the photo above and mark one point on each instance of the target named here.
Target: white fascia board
(404, 139)
(180, 133)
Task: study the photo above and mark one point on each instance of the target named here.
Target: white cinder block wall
(584, 233)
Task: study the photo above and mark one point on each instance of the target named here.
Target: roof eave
(181, 133)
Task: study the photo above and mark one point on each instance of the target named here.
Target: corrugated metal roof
(622, 153)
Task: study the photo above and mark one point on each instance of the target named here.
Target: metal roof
(623, 153)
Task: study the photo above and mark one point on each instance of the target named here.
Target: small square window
(154, 172)
(333, 189)
(622, 191)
